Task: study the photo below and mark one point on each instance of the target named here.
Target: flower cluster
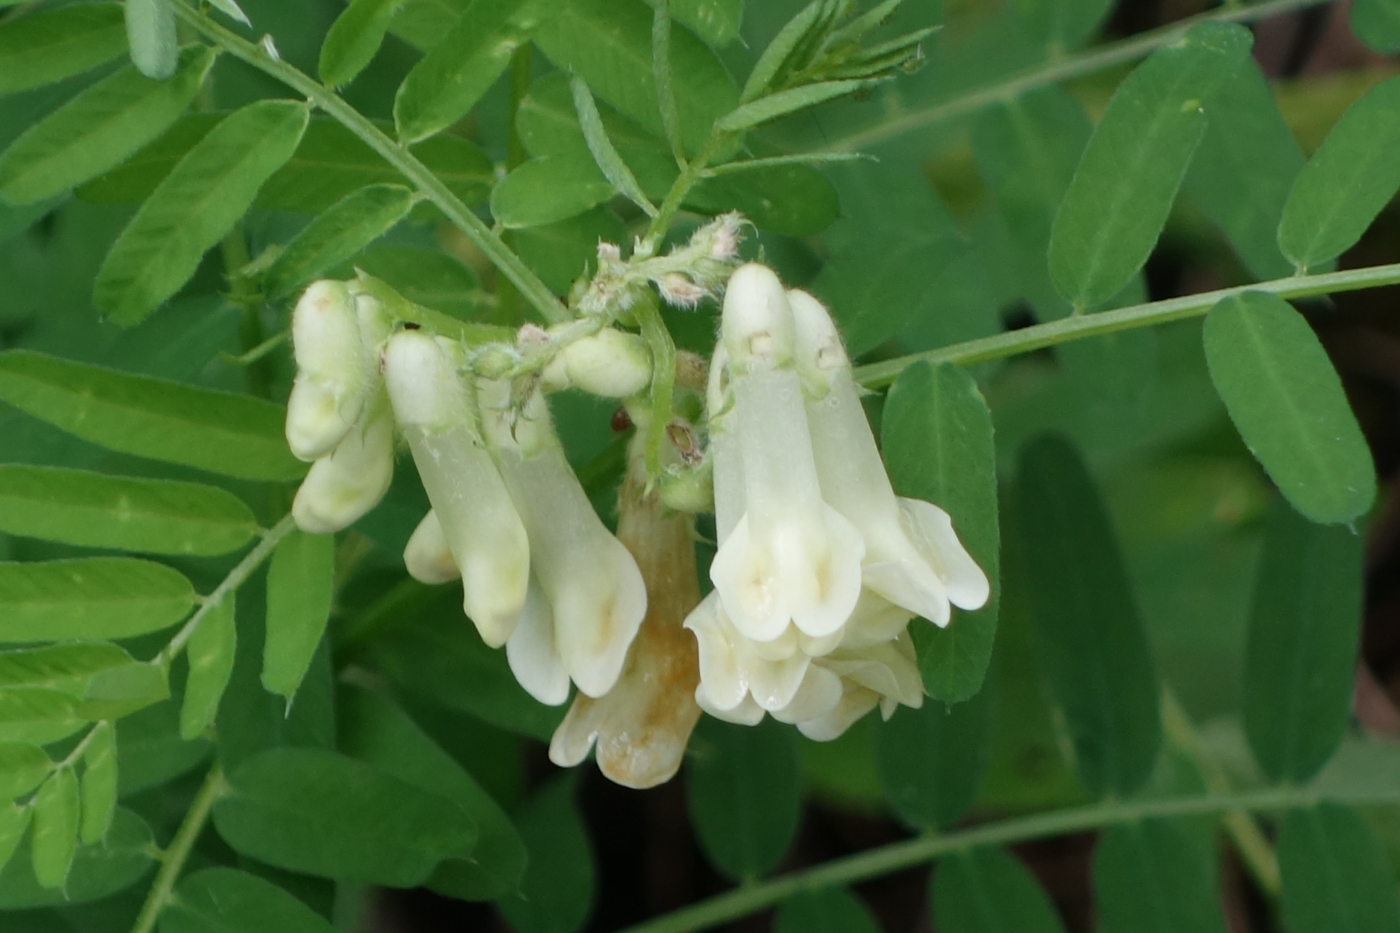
(820, 565)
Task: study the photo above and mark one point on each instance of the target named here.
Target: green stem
(688, 179)
(1062, 69)
(663, 380)
(236, 578)
(898, 856)
(241, 293)
(397, 155)
(1106, 322)
(174, 858)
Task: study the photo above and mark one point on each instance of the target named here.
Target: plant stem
(1060, 69)
(236, 578)
(663, 380)
(250, 331)
(901, 855)
(1106, 322)
(396, 154)
(683, 183)
(174, 858)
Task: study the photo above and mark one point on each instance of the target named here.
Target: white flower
(345, 484)
(790, 558)
(594, 591)
(912, 556)
(334, 377)
(610, 363)
(479, 521)
(426, 557)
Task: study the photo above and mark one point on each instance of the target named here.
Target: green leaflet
(96, 872)
(604, 154)
(38, 715)
(428, 277)
(932, 759)
(557, 892)
(225, 900)
(749, 115)
(22, 768)
(93, 510)
(1336, 878)
(1062, 25)
(715, 21)
(55, 836)
(150, 31)
(298, 605)
(450, 79)
(68, 668)
(1118, 201)
(89, 598)
(376, 731)
(550, 189)
(1346, 182)
(1303, 633)
(986, 889)
(1154, 876)
(825, 910)
(1377, 23)
(1092, 647)
(743, 794)
(122, 690)
(1288, 404)
(1244, 169)
(223, 432)
(354, 38)
(330, 163)
(211, 652)
(52, 45)
(609, 44)
(99, 784)
(98, 129)
(14, 822)
(938, 446)
(336, 235)
(320, 813)
(202, 197)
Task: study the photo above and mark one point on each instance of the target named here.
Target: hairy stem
(1054, 71)
(901, 855)
(396, 154)
(1106, 322)
(172, 861)
(688, 179)
(663, 381)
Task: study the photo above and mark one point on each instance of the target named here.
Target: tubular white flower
(427, 558)
(912, 556)
(333, 375)
(349, 481)
(594, 589)
(482, 528)
(533, 651)
(790, 558)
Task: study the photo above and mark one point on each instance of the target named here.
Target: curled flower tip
(725, 232)
(427, 557)
(482, 528)
(348, 482)
(756, 323)
(332, 376)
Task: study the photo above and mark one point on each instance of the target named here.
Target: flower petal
(427, 557)
(533, 654)
(342, 487)
(932, 532)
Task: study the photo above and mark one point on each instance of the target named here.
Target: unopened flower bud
(820, 354)
(333, 378)
(427, 556)
(422, 383)
(348, 482)
(757, 323)
(610, 363)
(679, 291)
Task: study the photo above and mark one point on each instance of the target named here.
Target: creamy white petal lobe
(533, 653)
(721, 679)
(932, 531)
(874, 620)
(346, 484)
(820, 693)
(855, 703)
(317, 418)
(427, 558)
(747, 713)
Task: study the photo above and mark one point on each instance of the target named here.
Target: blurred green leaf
(557, 892)
(1062, 25)
(317, 812)
(937, 439)
(98, 129)
(211, 652)
(55, 836)
(90, 598)
(224, 900)
(1303, 632)
(1335, 877)
(373, 730)
(198, 202)
(96, 872)
(458, 70)
(1244, 169)
(1377, 23)
(235, 435)
(986, 889)
(342, 231)
(742, 788)
(93, 510)
(1092, 645)
(715, 21)
(1125, 183)
(151, 753)
(99, 784)
(299, 582)
(1289, 406)
(773, 106)
(561, 252)
(14, 822)
(22, 768)
(825, 910)
(550, 189)
(38, 715)
(151, 33)
(1347, 181)
(932, 759)
(51, 45)
(354, 38)
(1152, 876)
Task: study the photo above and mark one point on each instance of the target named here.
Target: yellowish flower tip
(756, 323)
